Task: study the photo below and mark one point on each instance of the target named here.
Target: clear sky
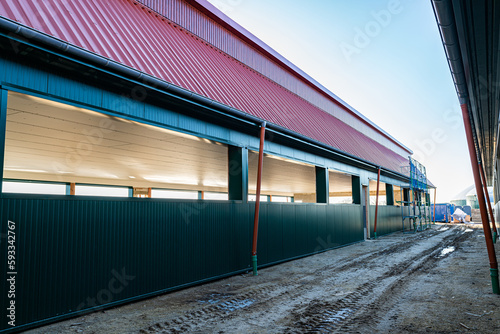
(384, 58)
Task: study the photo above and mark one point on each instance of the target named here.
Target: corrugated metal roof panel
(135, 36)
(225, 34)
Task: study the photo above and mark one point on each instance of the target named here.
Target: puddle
(233, 305)
(447, 250)
(339, 315)
(443, 229)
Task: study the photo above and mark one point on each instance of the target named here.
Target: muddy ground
(436, 281)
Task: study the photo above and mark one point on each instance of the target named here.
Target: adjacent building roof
(471, 38)
(135, 36)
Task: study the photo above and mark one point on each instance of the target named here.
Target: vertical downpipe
(257, 200)
(376, 205)
(480, 197)
(485, 187)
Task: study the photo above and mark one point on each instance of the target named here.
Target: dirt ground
(435, 281)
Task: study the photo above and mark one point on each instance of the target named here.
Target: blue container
(452, 208)
(443, 212)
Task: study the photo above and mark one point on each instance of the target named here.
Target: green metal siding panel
(262, 238)
(312, 227)
(332, 227)
(216, 131)
(301, 226)
(351, 226)
(289, 232)
(286, 151)
(192, 124)
(243, 139)
(269, 145)
(389, 219)
(24, 76)
(242, 217)
(299, 155)
(322, 234)
(357, 221)
(161, 115)
(274, 232)
(123, 104)
(320, 161)
(73, 90)
(70, 249)
(349, 230)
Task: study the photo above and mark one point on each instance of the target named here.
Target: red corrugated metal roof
(132, 35)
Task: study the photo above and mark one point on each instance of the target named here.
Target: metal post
(356, 189)
(485, 187)
(389, 194)
(322, 185)
(237, 173)
(480, 197)
(376, 205)
(257, 200)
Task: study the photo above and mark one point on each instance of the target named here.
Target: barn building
(470, 35)
(132, 134)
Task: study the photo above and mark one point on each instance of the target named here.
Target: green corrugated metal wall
(389, 219)
(76, 253)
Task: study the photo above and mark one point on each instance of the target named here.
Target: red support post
(485, 187)
(480, 198)
(376, 205)
(257, 200)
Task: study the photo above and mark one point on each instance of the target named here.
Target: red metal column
(480, 198)
(376, 205)
(485, 187)
(257, 200)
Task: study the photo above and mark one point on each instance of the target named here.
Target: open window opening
(340, 185)
(382, 200)
(52, 146)
(283, 180)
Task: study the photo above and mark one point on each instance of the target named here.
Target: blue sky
(384, 58)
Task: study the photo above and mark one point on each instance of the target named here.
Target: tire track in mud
(320, 316)
(356, 310)
(373, 313)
